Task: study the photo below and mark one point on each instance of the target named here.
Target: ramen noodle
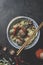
(21, 31)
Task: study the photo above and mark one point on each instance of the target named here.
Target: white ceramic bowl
(15, 20)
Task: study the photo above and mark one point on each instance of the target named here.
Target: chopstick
(29, 40)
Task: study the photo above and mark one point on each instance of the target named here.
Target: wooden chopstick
(29, 40)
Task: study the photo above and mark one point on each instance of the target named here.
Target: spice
(16, 60)
(39, 53)
(4, 48)
(12, 52)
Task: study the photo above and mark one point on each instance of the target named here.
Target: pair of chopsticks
(29, 40)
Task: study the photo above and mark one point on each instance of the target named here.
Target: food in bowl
(21, 31)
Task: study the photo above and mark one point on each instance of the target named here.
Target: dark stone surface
(12, 8)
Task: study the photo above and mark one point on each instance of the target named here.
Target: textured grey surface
(12, 8)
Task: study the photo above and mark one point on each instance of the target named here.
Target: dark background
(12, 8)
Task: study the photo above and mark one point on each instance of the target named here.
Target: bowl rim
(18, 17)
